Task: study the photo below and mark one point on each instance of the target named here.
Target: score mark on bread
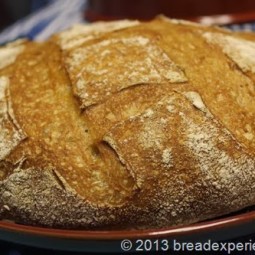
(10, 132)
(158, 146)
(241, 51)
(119, 63)
(128, 125)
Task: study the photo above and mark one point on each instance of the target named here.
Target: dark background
(13, 10)
(147, 9)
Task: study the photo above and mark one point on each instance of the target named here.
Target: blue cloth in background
(55, 16)
(51, 16)
(248, 26)
(38, 4)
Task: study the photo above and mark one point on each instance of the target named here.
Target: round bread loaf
(127, 124)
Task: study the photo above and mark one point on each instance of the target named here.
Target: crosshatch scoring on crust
(119, 64)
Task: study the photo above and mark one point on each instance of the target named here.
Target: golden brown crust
(121, 62)
(127, 125)
(158, 147)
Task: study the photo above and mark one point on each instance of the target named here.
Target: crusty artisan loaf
(127, 125)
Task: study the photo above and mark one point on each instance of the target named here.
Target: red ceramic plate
(221, 229)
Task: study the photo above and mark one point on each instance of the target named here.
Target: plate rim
(201, 227)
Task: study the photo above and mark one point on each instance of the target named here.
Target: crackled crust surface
(127, 125)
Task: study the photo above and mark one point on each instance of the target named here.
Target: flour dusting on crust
(10, 133)
(241, 51)
(196, 100)
(9, 53)
(79, 34)
(119, 64)
(219, 163)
